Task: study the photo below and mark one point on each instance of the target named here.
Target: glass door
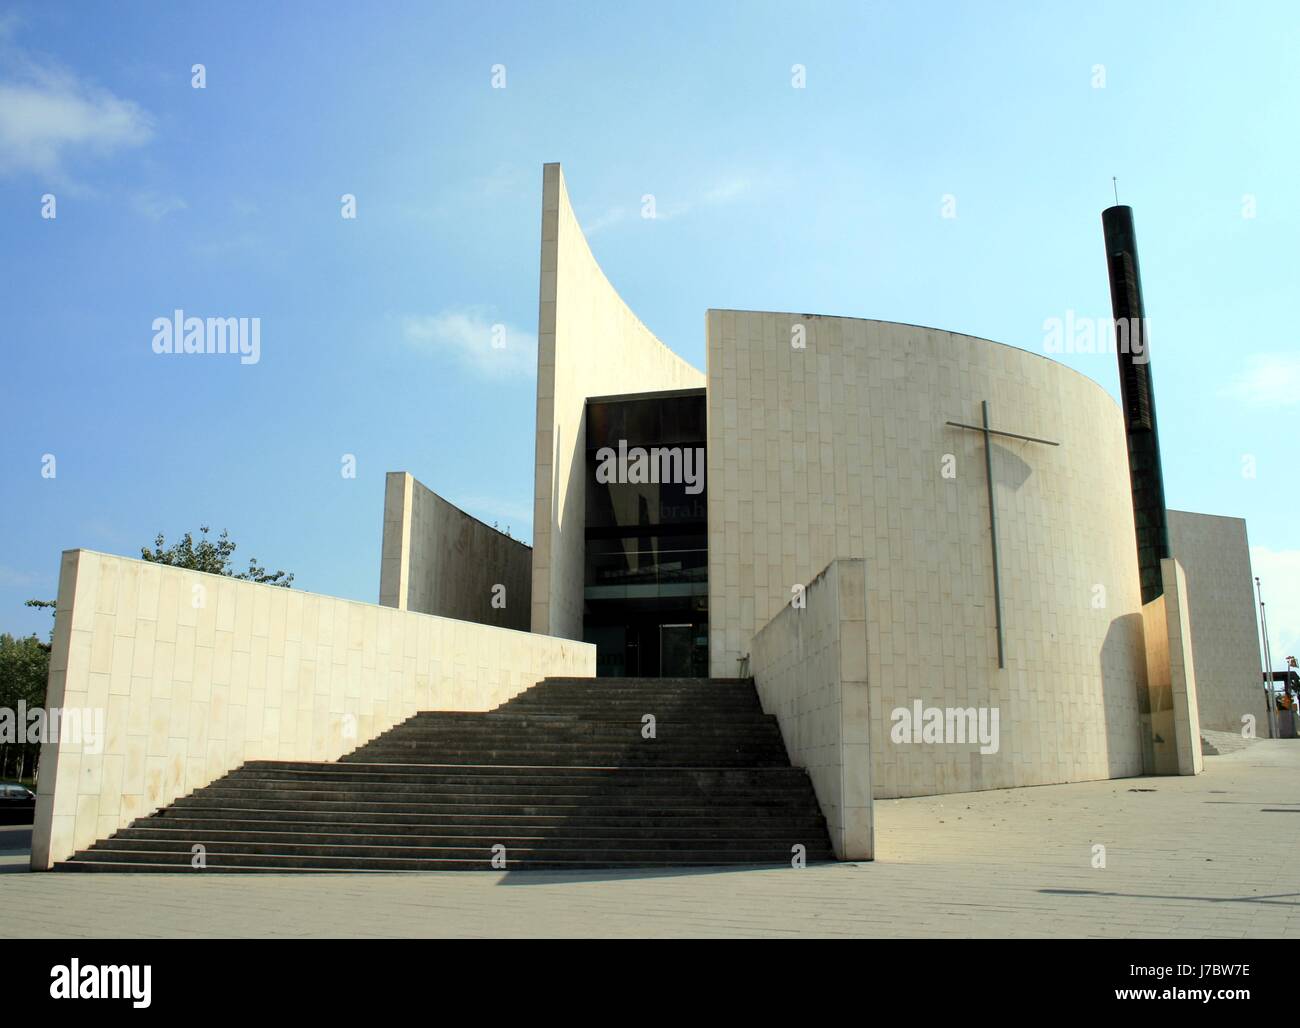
(676, 643)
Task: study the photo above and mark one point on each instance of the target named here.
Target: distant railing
(662, 568)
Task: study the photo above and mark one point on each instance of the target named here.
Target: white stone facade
(840, 448)
(197, 673)
(1215, 555)
(1170, 719)
(829, 447)
(439, 560)
(810, 668)
(589, 343)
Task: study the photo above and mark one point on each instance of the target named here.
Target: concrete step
(1215, 744)
(446, 858)
(626, 758)
(311, 793)
(469, 827)
(648, 755)
(163, 863)
(561, 776)
(262, 784)
(522, 847)
(711, 779)
(542, 804)
(720, 686)
(586, 728)
(670, 820)
(630, 716)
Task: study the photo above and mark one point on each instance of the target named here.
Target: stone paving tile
(1204, 856)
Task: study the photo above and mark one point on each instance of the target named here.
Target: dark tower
(1138, 395)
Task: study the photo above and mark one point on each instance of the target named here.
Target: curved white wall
(1215, 555)
(837, 450)
(439, 560)
(588, 344)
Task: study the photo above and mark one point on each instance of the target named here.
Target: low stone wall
(1170, 720)
(436, 559)
(1214, 553)
(810, 667)
(196, 674)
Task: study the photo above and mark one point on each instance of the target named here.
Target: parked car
(17, 804)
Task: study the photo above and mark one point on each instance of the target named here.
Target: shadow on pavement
(15, 848)
(550, 876)
(1286, 899)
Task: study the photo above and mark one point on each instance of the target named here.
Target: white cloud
(1272, 379)
(724, 191)
(12, 576)
(505, 180)
(603, 221)
(728, 190)
(156, 206)
(245, 243)
(48, 115)
(516, 517)
(503, 185)
(1279, 577)
(668, 211)
(489, 348)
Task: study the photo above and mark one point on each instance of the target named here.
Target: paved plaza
(1212, 855)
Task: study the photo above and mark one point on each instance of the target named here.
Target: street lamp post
(1267, 674)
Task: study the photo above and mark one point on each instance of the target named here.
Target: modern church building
(849, 559)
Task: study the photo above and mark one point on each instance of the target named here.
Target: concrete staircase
(560, 777)
(1216, 744)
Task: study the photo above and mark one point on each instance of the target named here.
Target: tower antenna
(1115, 182)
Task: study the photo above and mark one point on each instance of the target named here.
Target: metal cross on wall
(993, 518)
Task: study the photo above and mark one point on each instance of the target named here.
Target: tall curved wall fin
(1138, 397)
(589, 343)
(543, 491)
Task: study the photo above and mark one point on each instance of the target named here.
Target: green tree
(24, 672)
(44, 605)
(212, 557)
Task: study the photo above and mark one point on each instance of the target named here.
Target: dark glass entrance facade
(646, 597)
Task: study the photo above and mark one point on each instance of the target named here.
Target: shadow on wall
(1124, 733)
(568, 514)
(15, 849)
(555, 492)
(575, 500)
(568, 530)
(1008, 469)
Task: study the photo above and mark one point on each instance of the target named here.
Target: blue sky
(226, 201)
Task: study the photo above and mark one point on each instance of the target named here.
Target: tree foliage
(215, 558)
(25, 662)
(24, 671)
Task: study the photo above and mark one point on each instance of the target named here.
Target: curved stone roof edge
(927, 328)
(600, 268)
(461, 510)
